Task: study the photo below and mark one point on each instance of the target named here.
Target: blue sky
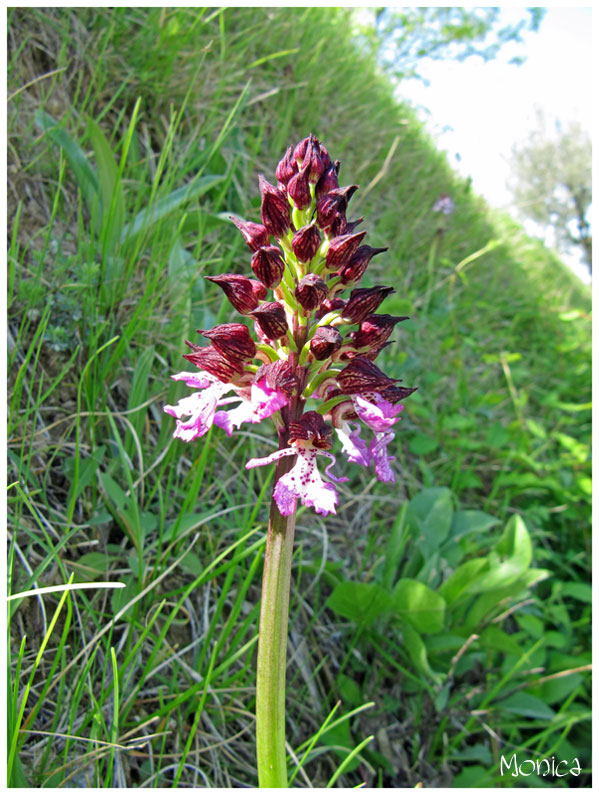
(477, 111)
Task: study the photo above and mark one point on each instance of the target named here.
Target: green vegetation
(449, 614)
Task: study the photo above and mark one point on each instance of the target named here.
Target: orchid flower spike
(302, 366)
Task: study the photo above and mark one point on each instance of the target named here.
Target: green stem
(272, 645)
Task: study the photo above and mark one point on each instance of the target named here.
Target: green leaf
(418, 604)
(417, 651)
(473, 777)
(84, 173)
(113, 490)
(349, 690)
(394, 552)
(460, 581)
(515, 551)
(465, 523)
(110, 189)
(578, 590)
(361, 602)
(91, 567)
(430, 513)
(555, 691)
(488, 602)
(339, 740)
(527, 705)
(144, 220)
(494, 638)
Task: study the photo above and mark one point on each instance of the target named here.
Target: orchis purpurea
(307, 369)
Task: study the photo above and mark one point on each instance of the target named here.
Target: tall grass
(133, 133)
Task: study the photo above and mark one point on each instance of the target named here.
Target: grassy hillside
(132, 135)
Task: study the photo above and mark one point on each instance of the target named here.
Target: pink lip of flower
(353, 445)
(379, 414)
(303, 481)
(378, 454)
(201, 407)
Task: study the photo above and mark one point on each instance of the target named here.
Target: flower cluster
(304, 350)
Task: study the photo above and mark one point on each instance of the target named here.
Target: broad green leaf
(91, 567)
(474, 777)
(490, 601)
(515, 551)
(417, 603)
(144, 220)
(84, 173)
(477, 751)
(527, 705)
(555, 691)
(531, 624)
(459, 582)
(113, 490)
(361, 602)
(578, 590)
(349, 690)
(417, 651)
(493, 637)
(86, 470)
(339, 740)
(430, 514)
(111, 190)
(466, 522)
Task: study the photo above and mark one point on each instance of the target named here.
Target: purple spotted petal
(200, 407)
(303, 481)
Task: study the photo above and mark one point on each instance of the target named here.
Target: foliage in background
(125, 160)
(402, 38)
(552, 183)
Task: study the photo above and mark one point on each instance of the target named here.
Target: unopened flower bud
(274, 210)
(362, 375)
(286, 168)
(255, 235)
(329, 305)
(268, 265)
(329, 180)
(311, 292)
(329, 206)
(313, 161)
(309, 147)
(341, 250)
(298, 189)
(375, 330)
(351, 225)
(356, 267)
(364, 301)
(270, 317)
(325, 342)
(233, 340)
(245, 294)
(213, 362)
(306, 242)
